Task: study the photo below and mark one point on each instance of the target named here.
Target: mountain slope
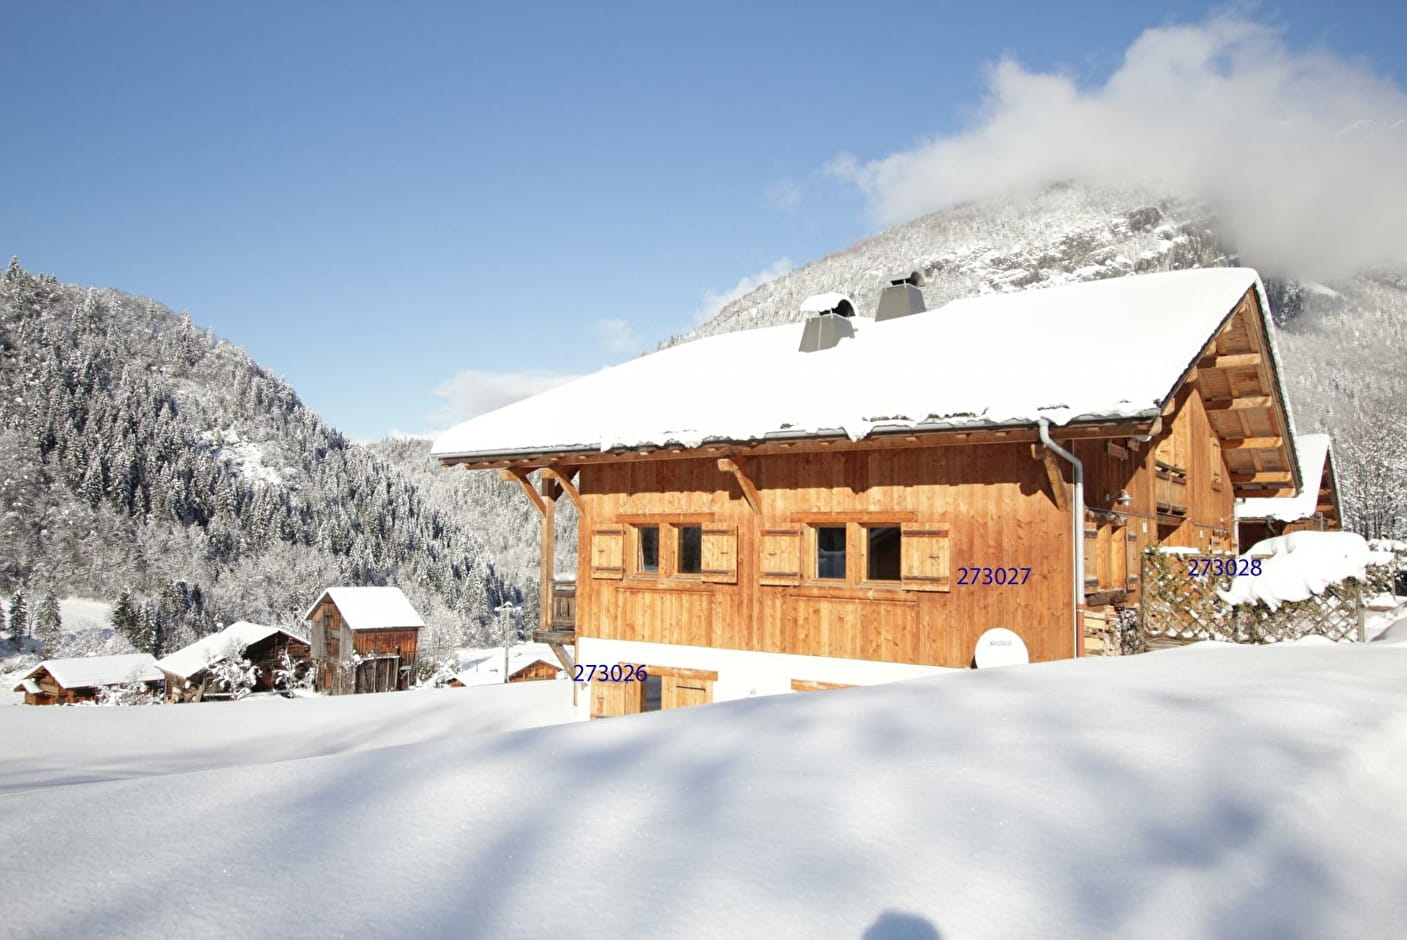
(1342, 344)
(138, 454)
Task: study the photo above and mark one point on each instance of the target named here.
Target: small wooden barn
(847, 500)
(364, 639)
(1316, 508)
(81, 679)
(528, 662)
(187, 671)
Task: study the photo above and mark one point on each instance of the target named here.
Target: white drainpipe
(1077, 531)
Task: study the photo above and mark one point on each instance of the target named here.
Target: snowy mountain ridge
(1341, 344)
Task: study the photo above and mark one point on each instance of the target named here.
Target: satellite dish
(1000, 647)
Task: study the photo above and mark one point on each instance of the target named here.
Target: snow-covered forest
(1342, 344)
(148, 464)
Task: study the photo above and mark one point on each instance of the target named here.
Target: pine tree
(19, 617)
(124, 618)
(48, 624)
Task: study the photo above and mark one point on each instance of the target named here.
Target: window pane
(830, 552)
(649, 537)
(650, 694)
(690, 549)
(883, 553)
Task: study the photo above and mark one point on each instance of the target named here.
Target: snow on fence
(1178, 609)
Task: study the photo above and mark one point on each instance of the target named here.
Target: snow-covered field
(1204, 792)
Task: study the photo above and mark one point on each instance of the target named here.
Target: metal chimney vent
(901, 298)
(828, 321)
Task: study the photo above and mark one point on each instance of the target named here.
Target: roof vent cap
(901, 298)
(827, 321)
(839, 304)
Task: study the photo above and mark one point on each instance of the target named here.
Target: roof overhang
(918, 435)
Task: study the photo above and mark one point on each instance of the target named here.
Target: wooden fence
(1177, 609)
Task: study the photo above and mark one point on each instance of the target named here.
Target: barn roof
(1315, 458)
(92, 671)
(370, 608)
(190, 660)
(1101, 350)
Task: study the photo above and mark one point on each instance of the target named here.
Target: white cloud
(714, 301)
(472, 392)
(617, 335)
(1302, 152)
(784, 195)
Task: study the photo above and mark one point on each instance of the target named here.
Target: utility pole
(506, 615)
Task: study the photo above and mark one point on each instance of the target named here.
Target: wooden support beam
(1277, 476)
(1232, 361)
(1254, 443)
(1240, 404)
(750, 492)
(1052, 471)
(549, 553)
(563, 479)
(521, 475)
(1248, 493)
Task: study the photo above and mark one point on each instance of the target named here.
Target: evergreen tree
(48, 624)
(19, 617)
(125, 619)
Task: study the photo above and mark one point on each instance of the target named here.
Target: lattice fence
(1177, 609)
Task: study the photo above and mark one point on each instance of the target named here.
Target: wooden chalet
(82, 679)
(1316, 508)
(364, 639)
(848, 500)
(187, 671)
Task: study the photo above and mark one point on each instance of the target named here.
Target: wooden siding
(986, 506)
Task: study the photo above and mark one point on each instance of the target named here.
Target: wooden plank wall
(994, 499)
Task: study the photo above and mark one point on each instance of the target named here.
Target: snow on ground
(1201, 792)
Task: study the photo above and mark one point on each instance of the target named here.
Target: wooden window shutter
(1091, 555)
(925, 557)
(720, 554)
(608, 551)
(781, 555)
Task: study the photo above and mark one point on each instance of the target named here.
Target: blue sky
(404, 208)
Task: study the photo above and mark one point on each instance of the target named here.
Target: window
(882, 553)
(830, 553)
(689, 560)
(647, 556)
(651, 693)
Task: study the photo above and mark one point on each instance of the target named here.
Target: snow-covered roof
(485, 666)
(91, 671)
(1313, 450)
(1101, 350)
(370, 608)
(820, 303)
(190, 660)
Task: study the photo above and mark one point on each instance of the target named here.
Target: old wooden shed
(187, 671)
(82, 679)
(364, 639)
(857, 500)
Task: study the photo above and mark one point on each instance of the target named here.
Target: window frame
(636, 547)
